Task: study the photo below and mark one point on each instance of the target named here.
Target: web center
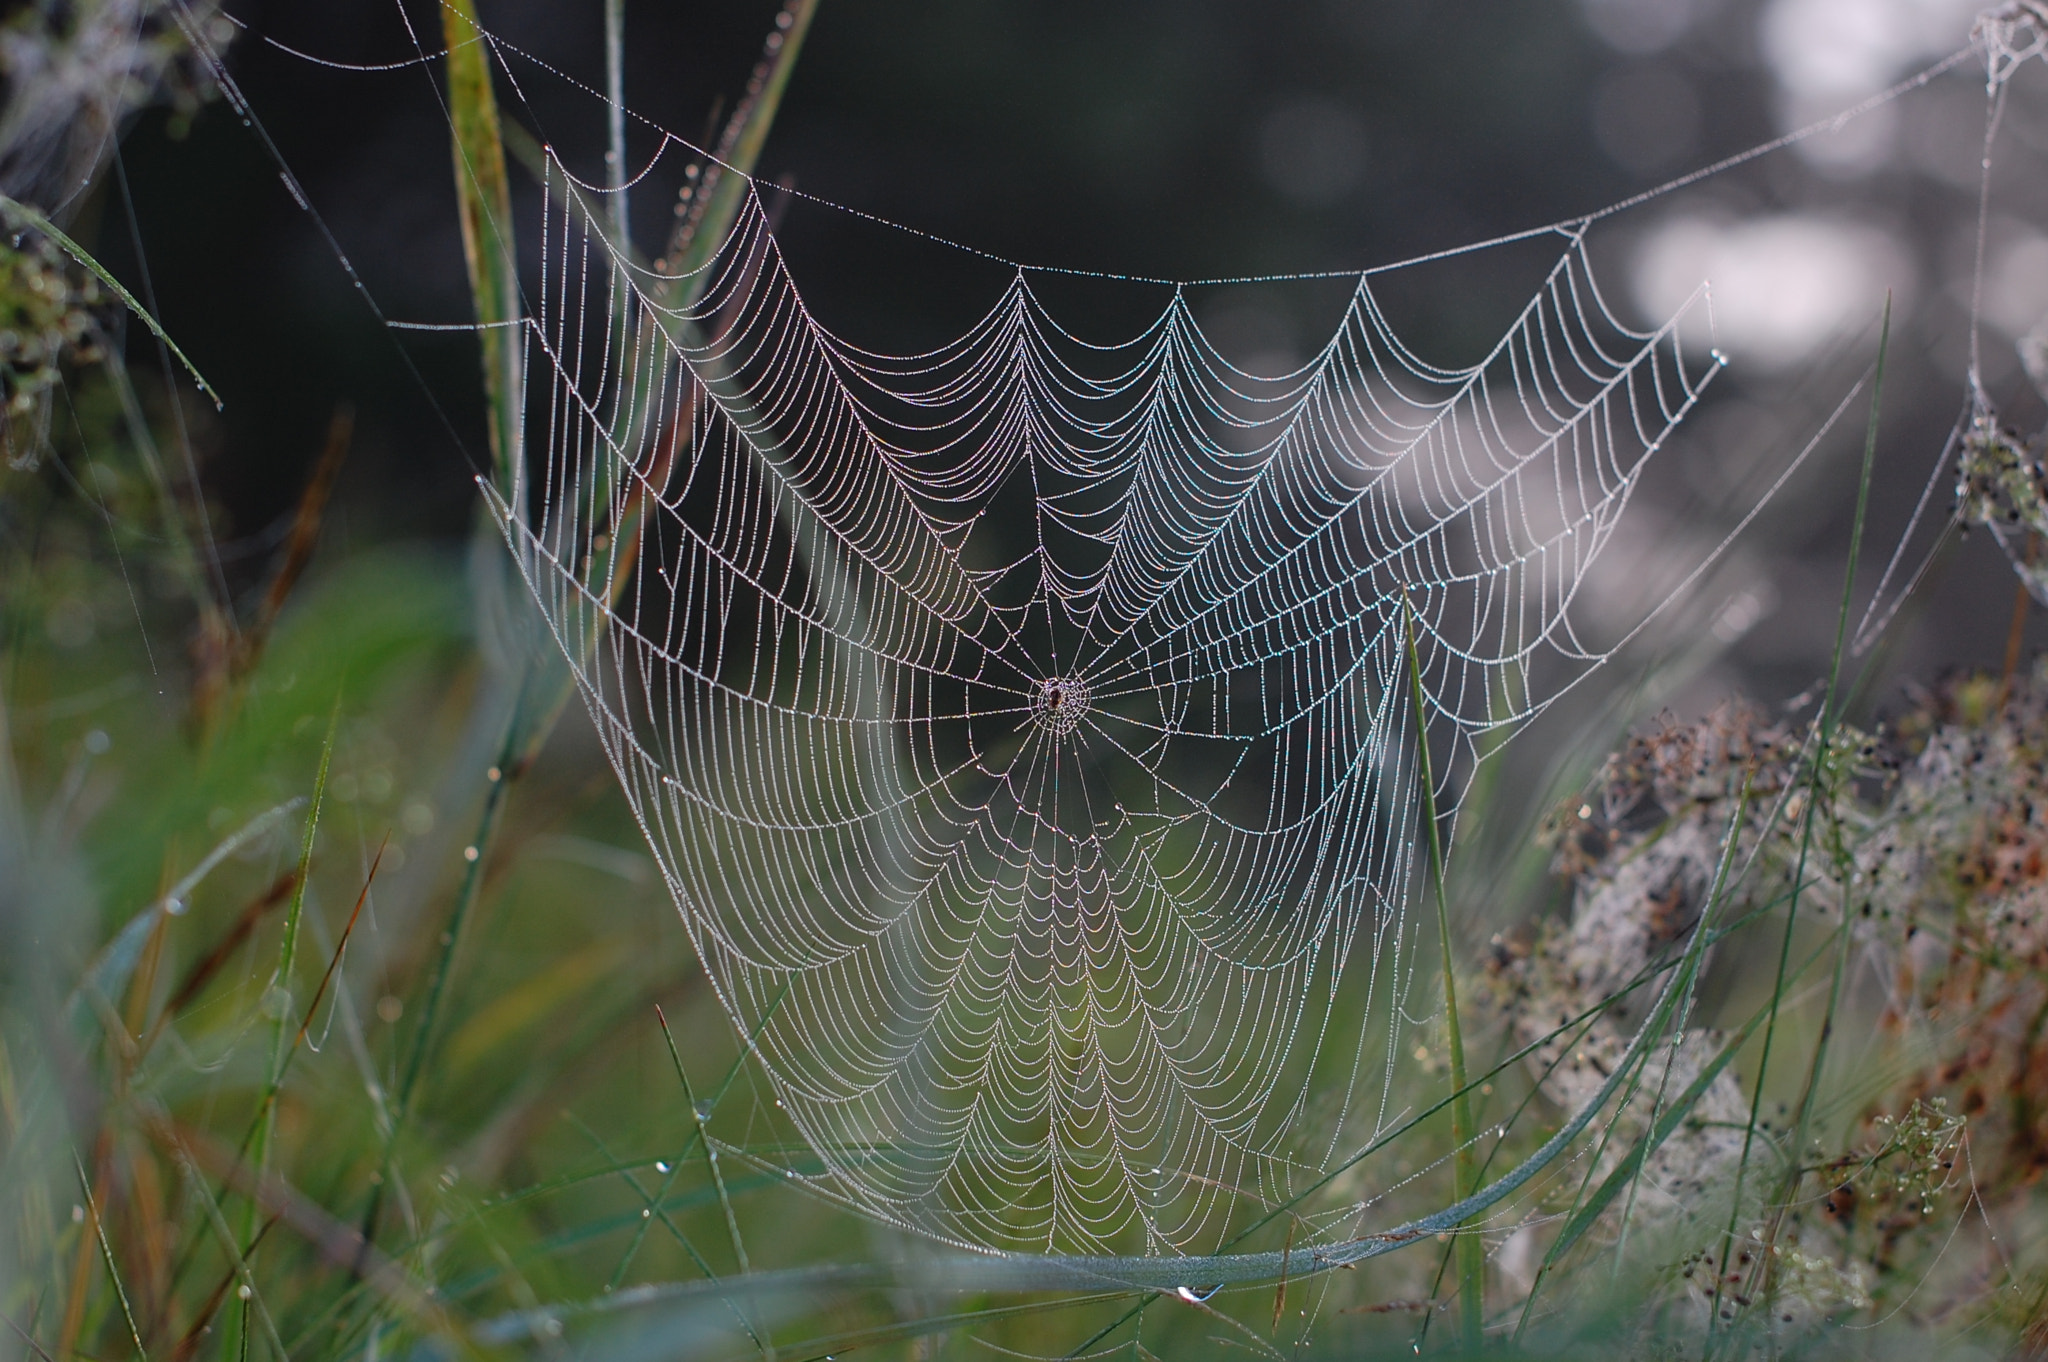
(1060, 704)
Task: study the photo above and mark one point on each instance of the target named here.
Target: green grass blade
(1695, 962)
(1825, 758)
(698, 236)
(288, 949)
(1826, 722)
(20, 215)
(465, 900)
(1586, 1210)
(109, 971)
(483, 193)
(479, 139)
(484, 204)
(1625, 1173)
(1884, 340)
(1465, 1166)
(698, 1115)
(253, 1302)
(99, 1230)
(652, 1205)
(831, 1346)
(474, 856)
(1665, 1121)
(675, 1165)
(702, 231)
(277, 998)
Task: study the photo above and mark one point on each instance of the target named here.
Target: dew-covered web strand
(1055, 863)
(1987, 44)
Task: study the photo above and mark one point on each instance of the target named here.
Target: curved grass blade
(20, 215)
(108, 975)
(1651, 1140)
(483, 193)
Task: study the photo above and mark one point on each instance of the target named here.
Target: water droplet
(645, 1213)
(175, 907)
(660, 1166)
(243, 1292)
(703, 1110)
(97, 741)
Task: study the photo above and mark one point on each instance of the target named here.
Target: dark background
(1184, 140)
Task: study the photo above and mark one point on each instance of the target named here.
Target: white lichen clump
(1926, 843)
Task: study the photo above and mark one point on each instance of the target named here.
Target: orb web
(1022, 726)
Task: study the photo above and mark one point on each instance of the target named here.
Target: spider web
(1023, 727)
